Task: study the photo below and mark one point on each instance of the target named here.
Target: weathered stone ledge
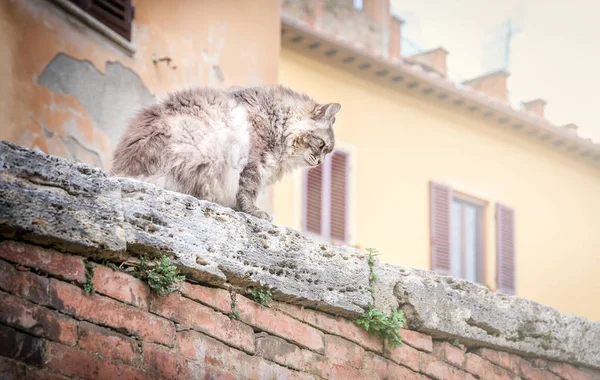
(76, 208)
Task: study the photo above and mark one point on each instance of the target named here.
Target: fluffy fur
(225, 146)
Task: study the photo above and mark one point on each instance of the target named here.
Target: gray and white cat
(224, 146)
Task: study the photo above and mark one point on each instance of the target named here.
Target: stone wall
(54, 214)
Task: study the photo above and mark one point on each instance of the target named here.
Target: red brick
(72, 300)
(21, 347)
(529, 372)
(167, 363)
(279, 351)
(211, 353)
(503, 359)
(58, 264)
(589, 373)
(515, 364)
(333, 325)
(204, 349)
(39, 374)
(211, 373)
(484, 369)
(376, 365)
(329, 370)
(449, 353)
(266, 370)
(73, 362)
(108, 343)
(395, 371)
(405, 355)
(219, 299)
(121, 286)
(23, 284)
(13, 370)
(10, 369)
(381, 368)
(205, 319)
(568, 372)
(416, 339)
(37, 320)
(437, 369)
(341, 351)
(278, 323)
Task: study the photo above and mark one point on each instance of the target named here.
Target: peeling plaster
(110, 99)
(61, 79)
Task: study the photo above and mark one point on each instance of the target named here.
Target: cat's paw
(261, 214)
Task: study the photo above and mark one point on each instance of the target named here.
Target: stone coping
(76, 208)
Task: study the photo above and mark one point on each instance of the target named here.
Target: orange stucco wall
(210, 42)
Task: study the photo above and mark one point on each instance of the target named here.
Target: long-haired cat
(224, 146)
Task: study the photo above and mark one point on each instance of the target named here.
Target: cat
(224, 146)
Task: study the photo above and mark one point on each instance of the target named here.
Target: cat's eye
(321, 144)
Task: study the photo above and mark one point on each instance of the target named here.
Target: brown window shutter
(313, 200)
(339, 196)
(505, 249)
(116, 14)
(440, 205)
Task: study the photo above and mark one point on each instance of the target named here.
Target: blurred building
(436, 175)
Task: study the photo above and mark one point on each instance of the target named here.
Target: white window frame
(463, 199)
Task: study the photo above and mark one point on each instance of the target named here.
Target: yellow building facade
(401, 140)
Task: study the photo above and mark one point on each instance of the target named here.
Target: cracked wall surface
(110, 98)
(67, 90)
(72, 207)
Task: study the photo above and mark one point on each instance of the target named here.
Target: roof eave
(302, 37)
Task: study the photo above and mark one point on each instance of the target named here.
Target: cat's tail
(142, 148)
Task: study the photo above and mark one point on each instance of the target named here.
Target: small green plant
(88, 286)
(455, 342)
(107, 263)
(160, 274)
(371, 261)
(235, 313)
(261, 296)
(376, 322)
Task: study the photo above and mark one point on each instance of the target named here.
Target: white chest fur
(214, 151)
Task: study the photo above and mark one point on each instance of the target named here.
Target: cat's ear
(326, 111)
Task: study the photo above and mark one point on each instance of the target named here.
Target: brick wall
(51, 329)
(55, 214)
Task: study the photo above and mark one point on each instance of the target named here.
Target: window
(325, 210)
(115, 14)
(466, 238)
(457, 237)
(357, 4)
(505, 248)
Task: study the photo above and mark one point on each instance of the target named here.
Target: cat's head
(312, 136)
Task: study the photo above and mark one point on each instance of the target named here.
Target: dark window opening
(115, 14)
